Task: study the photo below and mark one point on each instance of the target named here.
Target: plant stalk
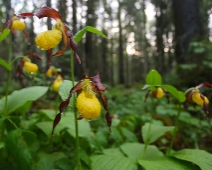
(175, 130)
(147, 140)
(79, 166)
(8, 76)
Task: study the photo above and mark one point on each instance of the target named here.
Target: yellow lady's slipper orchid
(30, 67)
(25, 65)
(50, 72)
(87, 104)
(51, 38)
(88, 107)
(197, 98)
(18, 25)
(194, 94)
(158, 93)
(58, 81)
(48, 39)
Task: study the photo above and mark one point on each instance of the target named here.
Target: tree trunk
(49, 24)
(74, 17)
(90, 60)
(160, 25)
(187, 26)
(121, 54)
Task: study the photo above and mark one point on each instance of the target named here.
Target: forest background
(173, 37)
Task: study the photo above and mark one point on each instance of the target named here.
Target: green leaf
(78, 36)
(2, 145)
(20, 97)
(151, 132)
(4, 34)
(67, 122)
(188, 90)
(180, 96)
(153, 78)
(130, 136)
(109, 162)
(47, 161)
(65, 88)
(198, 157)
(113, 152)
(166, 163)
(135, 151)
(49, 113)
(5, 64)
(146, 86)
(19, 144)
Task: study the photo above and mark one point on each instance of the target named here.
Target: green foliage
(79, 35)
(20, 97)
(166, 163)
(151, 132)
(66, 123)
(135, 151)
(146, 134)
(153, 78)
(4, 34)
(112, 162)
(21, 146)
(198, 157)
(5, 65)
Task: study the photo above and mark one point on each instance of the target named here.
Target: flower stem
(175, 130)
(147, 139)
(8, 76)
(79, 166)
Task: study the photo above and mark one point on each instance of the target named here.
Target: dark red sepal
(59, 53)
(35, 55)
(204, 84)
(80, 117)
(48, 12)
(19, 70)
(56, 121)
(26, 35)
(49, 53)
(109, 120)
(97, 81)
(25, 15)
(77, 58)
(147, 95)
(205, 105)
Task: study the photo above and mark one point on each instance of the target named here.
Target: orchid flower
(51, 38)
(26, 65)
(195, 95)
(88, 106)
(14, 23)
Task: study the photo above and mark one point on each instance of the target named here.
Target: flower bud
(50, 72)
(30, 67)
(18, 25)
(48, 39)
(57, 83)
(158, 93)
(197, 98)
(88, 107)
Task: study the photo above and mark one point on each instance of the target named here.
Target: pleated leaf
(152, 132)
(79, 35)
(20, 144)
(67, 122)
(109, 162)
(166, 163)
(20, 97)
(199, 157)
(135, 151)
